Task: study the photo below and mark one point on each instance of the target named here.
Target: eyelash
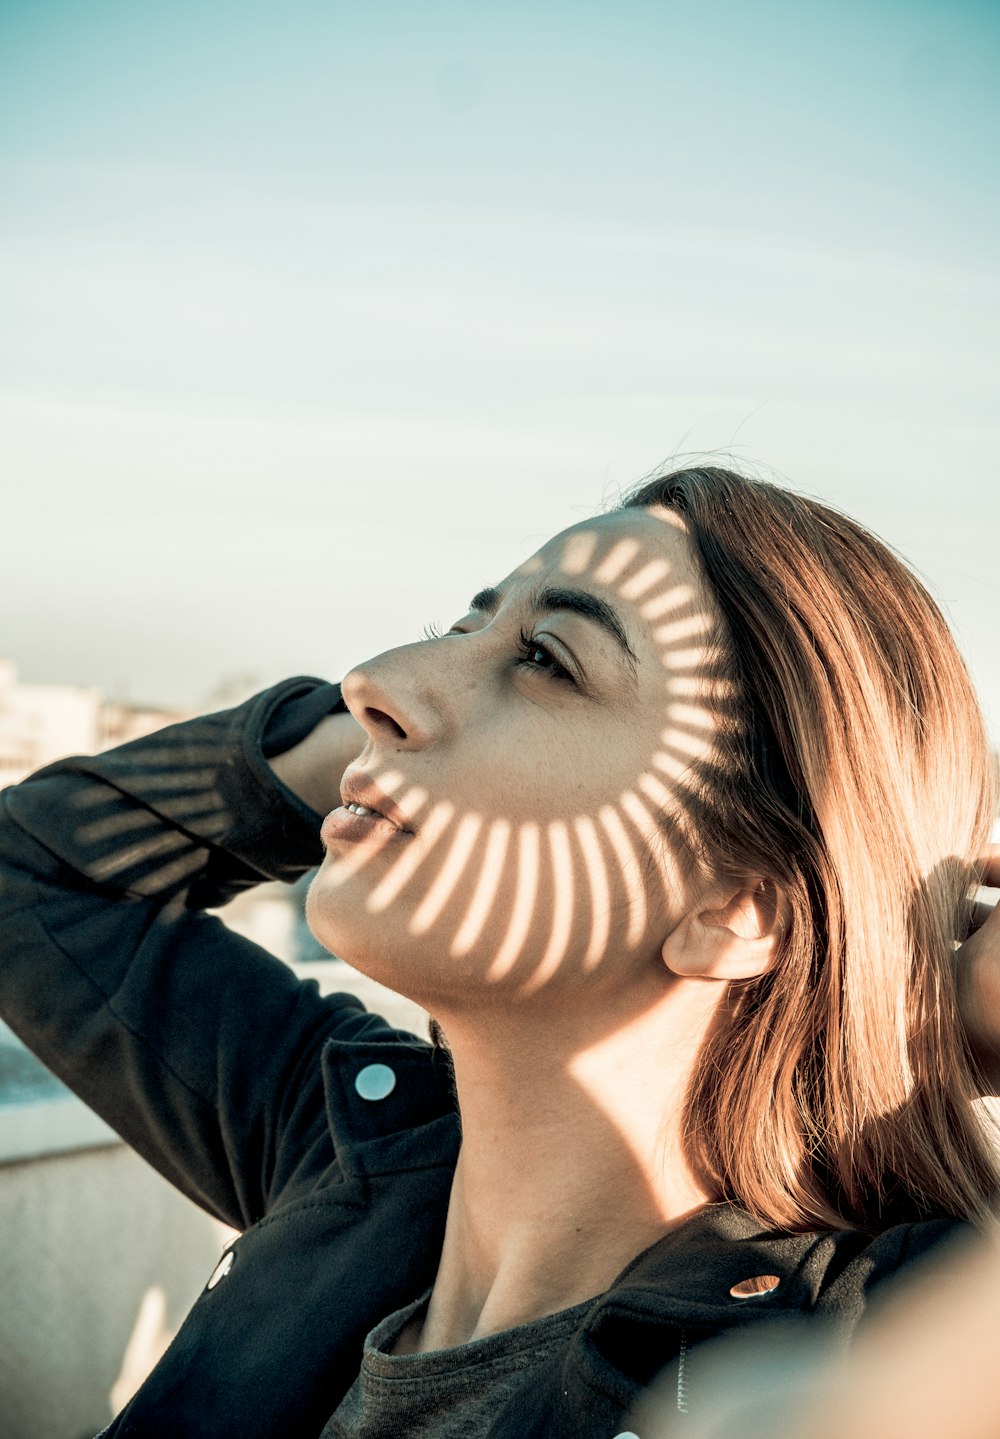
(527, 647)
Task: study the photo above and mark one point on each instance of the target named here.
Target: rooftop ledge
(40, 1118)
(42, 1128)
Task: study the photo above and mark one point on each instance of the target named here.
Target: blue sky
(315, 318)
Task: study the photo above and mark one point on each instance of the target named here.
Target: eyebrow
(576, 602)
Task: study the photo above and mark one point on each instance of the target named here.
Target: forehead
(632, 553)
(642, 563)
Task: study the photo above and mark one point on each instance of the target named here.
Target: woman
(673, 833)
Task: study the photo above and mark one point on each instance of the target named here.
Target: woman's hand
(978, 962)
(314, 768)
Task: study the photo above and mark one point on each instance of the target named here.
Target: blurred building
(40, 723)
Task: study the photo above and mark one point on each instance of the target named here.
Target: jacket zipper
(682, 1392)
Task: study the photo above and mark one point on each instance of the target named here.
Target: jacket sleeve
(195, 1045)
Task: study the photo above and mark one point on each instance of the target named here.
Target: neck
(572, 1159)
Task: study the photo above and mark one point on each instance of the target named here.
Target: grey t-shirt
(446, 1393)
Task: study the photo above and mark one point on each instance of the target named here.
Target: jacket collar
(693, 1271)
(693, 1268)
(414, 1125)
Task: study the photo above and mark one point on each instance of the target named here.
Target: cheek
(519, 905)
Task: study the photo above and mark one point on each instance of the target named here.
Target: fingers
(990, 870)
(991, 867)
(981, 912)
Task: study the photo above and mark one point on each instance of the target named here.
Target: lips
(359, 789)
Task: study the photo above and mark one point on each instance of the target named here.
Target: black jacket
(237, 1081)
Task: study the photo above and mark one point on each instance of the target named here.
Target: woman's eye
(532, 653)
(538, 656)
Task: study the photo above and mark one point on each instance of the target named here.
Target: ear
(735, 937)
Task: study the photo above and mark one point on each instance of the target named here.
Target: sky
(315, 319)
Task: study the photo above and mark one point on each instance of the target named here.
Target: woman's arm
(979, 984)
(197, 1046)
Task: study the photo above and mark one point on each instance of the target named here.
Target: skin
(979, 982)
(563, 1178)
(474, 725)
(559, 1021)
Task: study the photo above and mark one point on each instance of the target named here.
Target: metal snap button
(222, 1268)
(375, 1081)
(755, 1287)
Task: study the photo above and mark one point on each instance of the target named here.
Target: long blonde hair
(854, 772)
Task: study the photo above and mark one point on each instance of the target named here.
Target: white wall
(100, 1259)
(86, 1237)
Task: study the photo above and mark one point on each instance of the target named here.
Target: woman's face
(528, 763)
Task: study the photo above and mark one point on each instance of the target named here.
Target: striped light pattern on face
(579, 886)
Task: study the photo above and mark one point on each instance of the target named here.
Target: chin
(334, 921)
(342, 924)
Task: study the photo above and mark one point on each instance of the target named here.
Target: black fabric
(236, 1080)
(298, 715)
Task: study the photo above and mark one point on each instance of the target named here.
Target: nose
(394, 701)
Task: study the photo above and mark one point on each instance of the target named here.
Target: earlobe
(735, 940)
